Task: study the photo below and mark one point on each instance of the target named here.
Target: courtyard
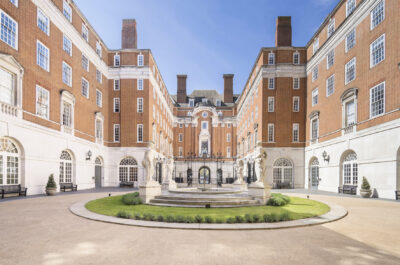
(42, 230)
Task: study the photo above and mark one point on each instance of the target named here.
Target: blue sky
(205, 38)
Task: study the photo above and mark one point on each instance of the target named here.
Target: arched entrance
(204, 175)
(66, 169)
(314, 173)
(283, 173)
(98, 168)
(9, 163)
(128, 170)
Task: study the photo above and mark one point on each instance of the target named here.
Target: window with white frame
(99, 130)
(314, 129)
(85, 63)
(180, 137)
(99, 76)
(66, 74)
(296, 83)
(350, 113)
(140, 60)
(117, 61)
(350, 40)
(350, 6)
(140, 84)
(228, 137)
(315, 96)
(9, 30)
(228, 152)
(67, 114)
(67, 11)
(271, 58)
(315, 73)
(350, 169)
(43, 22)
(271, 83)
(377, 51)
(377, 100)
(180, 152)
(191, 102)
(116, 84)
(350, 71)
(85, 88)
(139, 105)
(43, 56)
(315, 45)
(116, 133)
(7, 87)
(99, 98)
(378, 14)
(85, 32)
(98, 49)
(42, 102)
(204, 125)
(331, 27)
(67, 45)
(330, 85)
(295, 132)
(296, 104)
(140, 133)
(296, 58)
(330, 59)
(271, 129)
(14, 2)
(66, 170)
(271, 104)
(116, 104)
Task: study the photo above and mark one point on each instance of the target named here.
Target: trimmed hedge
(131, 199)
(278, 199)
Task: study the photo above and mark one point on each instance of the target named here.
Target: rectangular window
(67, 45)
(296, 104)
(378, 14)
(331, 27)
(350, 113)
(42, 102)
(116, 84)
(43, 56)
(314, 129)
(66, 74)
(350, 6)
(99, 98)
(67, 115)
(377, 51)
(99, 76)
(330, 85)
(350, 71)
(377, 100)
(296, 83)
(85, 32)
(271, 133)
(85, 63)
(116, 133)
(85, 88)
(99, 130)
(228, 152)
(191, 103)
(315, 73)
(271, 58)
(180, 137)
(180, 151)
(9, 30)
(117, 61)
(98, 49)
(116, 104)
(43, 22)
(271, 83)
(315, 96)
(67, 11)
(315, 45)
(330, 59)
(140, 105)
(140, 60)
(271, 104)
(140, 133)
(204, 125)
(296, 58)
(295, 132)
(350, 40)
(7, 87)
(140, 84)
(228, 137)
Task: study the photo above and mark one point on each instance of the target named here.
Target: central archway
(204, 175)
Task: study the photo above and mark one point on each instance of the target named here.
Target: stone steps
(203, 198)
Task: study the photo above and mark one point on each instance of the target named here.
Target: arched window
(65, 167)
(98, 161)
(283, 173)
(204, 175)
(314, 173)
(128, 170)
(9, 163)
(350, 169)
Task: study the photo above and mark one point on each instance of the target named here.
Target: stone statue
(148, 162)
(260, 165)
(170, 166)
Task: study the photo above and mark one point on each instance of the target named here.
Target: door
(314, 177)
(97, 176)
(204, 175)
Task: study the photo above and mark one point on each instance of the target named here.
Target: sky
(205, 38)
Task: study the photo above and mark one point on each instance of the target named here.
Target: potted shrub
(365, 190)
(51, 187)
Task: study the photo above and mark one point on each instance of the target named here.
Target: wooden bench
(397, 192)
(68, 186)
(126, 184)
(283, 185)
(229, 180)
(11, 189)
(348, 189)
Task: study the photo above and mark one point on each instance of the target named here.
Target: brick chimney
(181, 88)
(228, 88)
(129, 34)
(283, 35)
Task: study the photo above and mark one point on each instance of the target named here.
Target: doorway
(97, 172)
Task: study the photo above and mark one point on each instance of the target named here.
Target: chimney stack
(228, 88)
(129, 34)
(283, 36)
(181, 88)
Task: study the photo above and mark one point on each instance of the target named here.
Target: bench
(10, 189)
(229, 180)
(397, 192)
(283, 185)
(348, 189)
(69, 186)
(126, 184)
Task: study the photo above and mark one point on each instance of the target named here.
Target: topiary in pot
(51, 187)
(365, 190)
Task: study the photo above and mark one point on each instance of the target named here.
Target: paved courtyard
(42, 230)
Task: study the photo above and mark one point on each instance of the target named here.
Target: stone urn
(365, 193)
(51, 191)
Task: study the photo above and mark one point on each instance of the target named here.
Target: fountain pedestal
(258, 191)
(149, 191)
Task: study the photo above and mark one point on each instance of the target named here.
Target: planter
(365, 193)
(51, 191)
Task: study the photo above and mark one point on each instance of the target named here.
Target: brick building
(325, 114)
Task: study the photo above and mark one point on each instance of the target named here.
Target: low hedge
(278, 199)
(131, 199)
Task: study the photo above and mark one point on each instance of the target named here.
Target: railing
(8, 109)
(349, 129)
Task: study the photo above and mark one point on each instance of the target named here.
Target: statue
(151, 188)
(239, 182)
(148, 162)
(260, 165)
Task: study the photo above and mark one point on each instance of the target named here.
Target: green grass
(298, 208)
